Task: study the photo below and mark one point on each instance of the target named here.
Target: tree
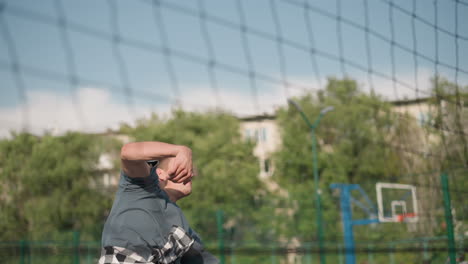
(362, 141)
(450, 125)
(47, 186)
(450, 121)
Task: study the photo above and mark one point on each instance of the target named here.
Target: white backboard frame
(394, 217)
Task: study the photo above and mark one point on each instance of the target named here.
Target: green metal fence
(421, 250)
(442, 204)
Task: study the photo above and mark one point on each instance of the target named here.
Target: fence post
(448, 217)
(308, 253)
(22, 251)
(219, 221)
(392, 253)
(340, 254)
(88, 255)
(233, 254)
(273, 254)
(370, 254)
(76, 247)
(425, 253)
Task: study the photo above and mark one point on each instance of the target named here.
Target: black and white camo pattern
(178, 243)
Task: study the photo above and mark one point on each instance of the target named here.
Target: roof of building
(258, 117)
(409, 101)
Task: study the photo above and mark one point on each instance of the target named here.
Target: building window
(251, 134)
(247, 133)
(256, 134)
(424, 118)
(266, 165)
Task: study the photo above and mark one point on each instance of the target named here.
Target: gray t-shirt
(142, 216)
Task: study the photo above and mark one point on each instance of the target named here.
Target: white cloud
(240, 102)
(405, 87)
(95, 110)
(386, 88)
(89, 110)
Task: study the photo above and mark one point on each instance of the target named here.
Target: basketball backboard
(396, 202)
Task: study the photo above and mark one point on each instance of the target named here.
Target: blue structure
(347, 217)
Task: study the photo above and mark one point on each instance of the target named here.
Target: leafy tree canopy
(47, 186)
(361, 141)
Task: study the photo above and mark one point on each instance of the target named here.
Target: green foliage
(358, 142)
(450, 123)
(46, 186)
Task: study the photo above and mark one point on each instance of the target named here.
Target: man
(144, 225)
(176, 191)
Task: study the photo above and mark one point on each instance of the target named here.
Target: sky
(91, 65)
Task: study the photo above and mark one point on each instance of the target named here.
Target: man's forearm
(148, 150)
(134, 157)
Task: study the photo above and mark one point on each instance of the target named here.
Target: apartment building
(420, 109)
(264, 130)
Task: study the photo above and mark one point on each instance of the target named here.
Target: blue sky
(120, 81)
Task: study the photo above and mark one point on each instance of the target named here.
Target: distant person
(145, 225)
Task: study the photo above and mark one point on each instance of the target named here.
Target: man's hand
(134, 156)
(181, 168)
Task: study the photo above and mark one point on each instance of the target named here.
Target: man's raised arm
(134, 156)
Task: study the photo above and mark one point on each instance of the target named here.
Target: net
(92, 66)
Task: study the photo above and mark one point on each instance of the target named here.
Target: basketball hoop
(403, 217)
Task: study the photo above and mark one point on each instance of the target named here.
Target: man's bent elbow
(126, 152)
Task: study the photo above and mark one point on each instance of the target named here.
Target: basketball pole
(347, 217)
